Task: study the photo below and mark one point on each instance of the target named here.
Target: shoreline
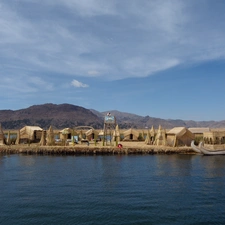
(93, 150)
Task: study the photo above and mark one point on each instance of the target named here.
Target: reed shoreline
(93, 150)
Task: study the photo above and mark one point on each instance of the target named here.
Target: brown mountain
(59, 116)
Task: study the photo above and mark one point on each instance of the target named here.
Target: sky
(159, 58)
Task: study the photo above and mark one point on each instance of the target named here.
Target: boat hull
(204, 151)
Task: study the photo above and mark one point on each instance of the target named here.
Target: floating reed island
(86, 140)
(126, 149)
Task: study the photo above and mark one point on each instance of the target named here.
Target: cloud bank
(111, 39)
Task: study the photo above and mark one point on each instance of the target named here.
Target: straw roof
(199, 130)
(178, 131)
(131, 131)
(90, 132)
(179, 136)
(66, 131)
(28, 131)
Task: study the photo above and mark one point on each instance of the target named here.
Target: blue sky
(162, 58)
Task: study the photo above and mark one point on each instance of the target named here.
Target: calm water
(150, 189)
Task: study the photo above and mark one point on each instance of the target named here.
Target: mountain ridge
(64, 115)
(59, 116)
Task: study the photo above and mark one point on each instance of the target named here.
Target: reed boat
(204, 151)
(195, 148)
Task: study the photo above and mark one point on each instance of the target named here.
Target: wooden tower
(109, 129)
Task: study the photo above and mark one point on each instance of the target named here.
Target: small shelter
(214, 137)
(198, 131)
(179, 136)
(2, 136)
(30, 134)
(160, 138)
(91, 134)
(130, 135)
(66, 133)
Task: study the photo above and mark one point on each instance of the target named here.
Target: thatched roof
(31, 128)
(28, 131)
(90, 132)
(178, 131)
(131, 131)
(66, 131)
(199, 130)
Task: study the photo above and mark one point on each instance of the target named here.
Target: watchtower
(109, 129)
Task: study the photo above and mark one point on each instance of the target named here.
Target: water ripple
(174, 189)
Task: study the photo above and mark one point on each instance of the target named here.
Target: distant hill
(59, 116)
(67, 115)
(128, 120)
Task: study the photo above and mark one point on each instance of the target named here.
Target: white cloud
(78, 84)
(111, 39)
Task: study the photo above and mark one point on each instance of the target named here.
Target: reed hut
(66, 133)
(198, 131)
(214, 137)
(30, 134)
(179, 136)
(91, 134)
(130, 135)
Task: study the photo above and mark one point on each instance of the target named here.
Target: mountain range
(67, 115)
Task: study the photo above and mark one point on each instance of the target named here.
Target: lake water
(106, 190)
